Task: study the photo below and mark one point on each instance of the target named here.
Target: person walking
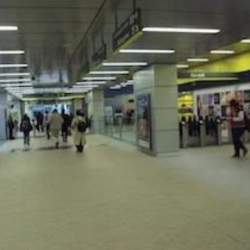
(79, 126)
(26, 128)
(238, 126)
(55, 123)
(11, 126)
(65, 126)
(47, 126)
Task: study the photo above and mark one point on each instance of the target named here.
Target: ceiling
(51, 30)
(48, 31)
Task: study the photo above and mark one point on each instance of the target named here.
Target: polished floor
(115, 198)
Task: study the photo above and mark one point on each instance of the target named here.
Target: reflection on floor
(113, 197)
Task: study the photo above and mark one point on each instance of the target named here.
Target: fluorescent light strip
(16, 85)
(109, 73)
(11, 52)
(222, 52)
(13, 65)
(245, 41)
(181, 30)
(198, 60)
(117, 64)
(91, 83)
(8, 28)
(14, 74)
(182, 66)
(147, 51)
(15, 80)
(108, 78)
(116, 87)
(86, 86)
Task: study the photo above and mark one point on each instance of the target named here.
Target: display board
(144, 121)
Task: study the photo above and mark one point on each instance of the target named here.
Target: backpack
(82, 126)
(25, 126)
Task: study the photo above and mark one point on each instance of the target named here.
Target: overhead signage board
(128, 29)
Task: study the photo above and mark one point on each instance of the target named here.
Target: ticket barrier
(200, 133)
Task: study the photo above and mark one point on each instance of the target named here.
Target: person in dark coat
(65, 126)
(26, 128)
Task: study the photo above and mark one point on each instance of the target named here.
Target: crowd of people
(55, 125)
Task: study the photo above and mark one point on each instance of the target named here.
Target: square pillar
(98, 116)
(160, 83)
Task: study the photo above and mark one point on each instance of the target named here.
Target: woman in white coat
(79, 126)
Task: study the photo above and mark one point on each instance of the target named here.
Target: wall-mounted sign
(130, 27)
(144, 121)
(83, 55)
(79, 63)
(199, 75)
(99, 55)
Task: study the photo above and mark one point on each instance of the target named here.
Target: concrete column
(3, 115)
(98, 111)
(160, 81)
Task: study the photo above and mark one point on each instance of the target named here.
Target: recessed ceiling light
(15, 80)
(222, 52)
(11, 52)
(198, 60)
(181, 30)
(147, 51)
(125, 64)
(14, 74)
(109, 72)
(13, 65)
(102, 78)
(245, 41)
(182, 66)
(8, 28)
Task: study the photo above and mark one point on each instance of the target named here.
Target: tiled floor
(115, 198)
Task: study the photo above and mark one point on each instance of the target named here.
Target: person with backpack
(79, 126)
(238, 126)
(26, 128)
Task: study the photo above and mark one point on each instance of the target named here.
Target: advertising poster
(217, 99)
(144, 121)
(210, 99)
